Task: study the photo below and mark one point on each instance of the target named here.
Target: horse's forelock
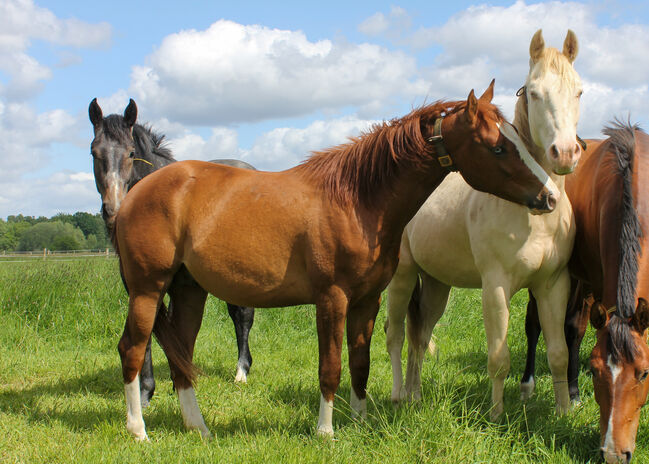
(620, 343)
(556, 62)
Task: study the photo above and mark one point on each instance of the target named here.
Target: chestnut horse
(326, 232)
(465, 238)
(611, 206)
(123, 153)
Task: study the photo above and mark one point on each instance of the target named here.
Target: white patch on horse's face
(509, 132)
(609, 444)
(553, 112)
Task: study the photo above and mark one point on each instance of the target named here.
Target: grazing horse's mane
(351, 172)
(622, 145)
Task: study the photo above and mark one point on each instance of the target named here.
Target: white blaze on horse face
(509, 132)
(553, 113)
(134, 420)
(609, 444)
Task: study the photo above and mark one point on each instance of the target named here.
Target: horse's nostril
(554, 151)
(628, 455)
(552, 201)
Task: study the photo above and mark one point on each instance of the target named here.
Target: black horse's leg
(532, 330)
(242, 317)
(147, 382)
(575, 327)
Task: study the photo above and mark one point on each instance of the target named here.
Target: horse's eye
(643, 376)
(131, 154)
(535, 95)
(498, 150)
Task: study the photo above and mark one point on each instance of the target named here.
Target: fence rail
(45, 254)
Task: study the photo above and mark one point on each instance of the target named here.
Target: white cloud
(231, 73)
(21, 22)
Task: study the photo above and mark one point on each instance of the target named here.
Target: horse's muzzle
(544, 203)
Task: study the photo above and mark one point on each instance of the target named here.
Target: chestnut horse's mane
(622, 146)
(351, 172)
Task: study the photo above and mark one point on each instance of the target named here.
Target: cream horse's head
(553, 89)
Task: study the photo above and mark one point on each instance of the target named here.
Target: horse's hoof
(496, 412)
(325, 431)
(575, 402)
(241, 377)
(527, 389)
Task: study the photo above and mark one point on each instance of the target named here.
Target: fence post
(106, 252)
(44, 254)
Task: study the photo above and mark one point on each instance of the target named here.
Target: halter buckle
(445, 161)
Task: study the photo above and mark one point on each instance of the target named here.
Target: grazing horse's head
(113, 152)
(493, 158)
(552, 90)
(620, 367)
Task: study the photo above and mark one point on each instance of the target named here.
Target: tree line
(78, 231)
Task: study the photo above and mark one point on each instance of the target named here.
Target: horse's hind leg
(132, 346)
(422, 318)
(242, 317)
(188, 300)
(532, 331)
(575, 327)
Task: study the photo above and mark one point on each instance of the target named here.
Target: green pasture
(62, 398)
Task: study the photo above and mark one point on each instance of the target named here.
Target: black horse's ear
(598, 315)
(130, 113)
(95, 114)
(640, 319)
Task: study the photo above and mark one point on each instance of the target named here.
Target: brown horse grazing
(611, 206)
(325, 232)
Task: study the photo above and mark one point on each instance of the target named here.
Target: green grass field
(62, 397)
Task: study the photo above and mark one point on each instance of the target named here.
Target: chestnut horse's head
(492, 157)
(113, 152)
(552, 91)
(620, 367)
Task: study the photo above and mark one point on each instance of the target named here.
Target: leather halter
(443, 156)
(523, 92)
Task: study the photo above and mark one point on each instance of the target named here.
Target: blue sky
(268, 83)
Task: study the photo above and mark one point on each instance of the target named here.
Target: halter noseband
(523, 92)
(443, 156)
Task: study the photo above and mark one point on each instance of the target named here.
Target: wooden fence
(45, 254)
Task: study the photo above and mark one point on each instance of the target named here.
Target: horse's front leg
(532, 331)
(552, 304)
(242, 317)
(331, 309)
(495, 309)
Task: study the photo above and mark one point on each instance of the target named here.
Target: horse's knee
(558, 359)
(498, 364)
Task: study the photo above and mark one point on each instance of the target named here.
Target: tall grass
(62, 400)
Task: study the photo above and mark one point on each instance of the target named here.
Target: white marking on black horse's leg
(325, 420)
(134, 420)
(527, 389)
(359, 407)
(191, 413)
(242, 375)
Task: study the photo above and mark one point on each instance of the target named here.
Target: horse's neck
(146, 160)
(522, 124)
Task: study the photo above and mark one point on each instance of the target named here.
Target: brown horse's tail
(414, 314)
(175, 350)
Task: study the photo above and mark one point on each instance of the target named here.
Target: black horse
(123, 153)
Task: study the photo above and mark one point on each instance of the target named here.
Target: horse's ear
(130, 113)
(95, 114)
(570, 46)
(598, 315)
(488, 94)
(537, 45)
(471, 110)
(640, 319)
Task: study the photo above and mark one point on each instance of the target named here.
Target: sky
(268, 82)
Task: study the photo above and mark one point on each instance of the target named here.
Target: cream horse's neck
(522, 124)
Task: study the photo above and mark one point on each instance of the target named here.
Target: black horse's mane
(622, 144)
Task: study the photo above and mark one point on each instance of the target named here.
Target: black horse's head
(113, 154)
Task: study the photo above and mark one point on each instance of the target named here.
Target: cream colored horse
(464, 238)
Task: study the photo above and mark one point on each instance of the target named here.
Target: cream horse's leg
(399, 293)
(552, 304)
(421, 322)
(495, 310)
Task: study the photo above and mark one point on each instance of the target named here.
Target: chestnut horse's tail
(175, 350)
(414, 313)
